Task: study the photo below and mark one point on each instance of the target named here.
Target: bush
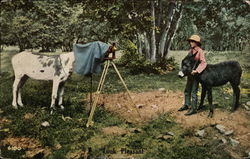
(137, 63)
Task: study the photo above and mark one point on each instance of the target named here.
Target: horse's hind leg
(236, 97)
(15, 91)
(210, 101)
(21, 83)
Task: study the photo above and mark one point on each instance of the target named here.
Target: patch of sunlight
(246, 75)
(199, 93)
(245, 91)
(228, 91)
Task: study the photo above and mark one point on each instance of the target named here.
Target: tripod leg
(125, 86)
(90, 119)
(99, 89)
(102, 76)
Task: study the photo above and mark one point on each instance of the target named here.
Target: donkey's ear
(194, 54)
(190, 54)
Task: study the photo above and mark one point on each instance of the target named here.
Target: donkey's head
(187, 65)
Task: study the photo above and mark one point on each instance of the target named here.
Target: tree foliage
(154, 26)
(223, 25)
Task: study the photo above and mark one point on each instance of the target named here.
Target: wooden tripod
(100, 87)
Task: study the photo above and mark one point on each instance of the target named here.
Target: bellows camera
(110, 54)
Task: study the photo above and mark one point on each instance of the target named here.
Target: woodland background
(153, 27)
(152, 36)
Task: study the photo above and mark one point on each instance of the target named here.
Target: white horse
(42, 67)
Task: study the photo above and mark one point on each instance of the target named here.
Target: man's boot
(191, 111)
(184, 107)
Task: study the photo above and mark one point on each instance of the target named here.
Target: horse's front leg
(54, 95)
(60, 94)
(21, 83)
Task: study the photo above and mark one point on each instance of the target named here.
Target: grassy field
(23, 136)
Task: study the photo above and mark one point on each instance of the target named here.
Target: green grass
(72, 134)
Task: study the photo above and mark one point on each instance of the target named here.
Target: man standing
(192, 84)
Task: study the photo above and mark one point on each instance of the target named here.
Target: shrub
(137, 63)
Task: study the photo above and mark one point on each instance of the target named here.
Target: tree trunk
(147, 46)
(163, 38)
(174, 29)
(153, 41)
(20, 44)
(139, 43)
(160, 13)
(21, 47)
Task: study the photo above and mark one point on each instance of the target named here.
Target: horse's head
(68, 61)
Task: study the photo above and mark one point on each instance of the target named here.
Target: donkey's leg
(21, 83)
(15, 91)
(210, 101)
(54, 95)
(236, 97)
(60, 94)
(203, 95)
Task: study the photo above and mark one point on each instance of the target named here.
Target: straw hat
(195, 38)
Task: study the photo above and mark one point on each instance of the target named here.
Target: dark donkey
(214, 75)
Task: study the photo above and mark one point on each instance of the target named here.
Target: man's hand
(194, 72)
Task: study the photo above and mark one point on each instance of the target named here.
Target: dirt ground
(151, 104)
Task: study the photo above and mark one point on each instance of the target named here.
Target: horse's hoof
(210, 115)
(21, 105)
(51, 111)
(15, 106)
(62, 107)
